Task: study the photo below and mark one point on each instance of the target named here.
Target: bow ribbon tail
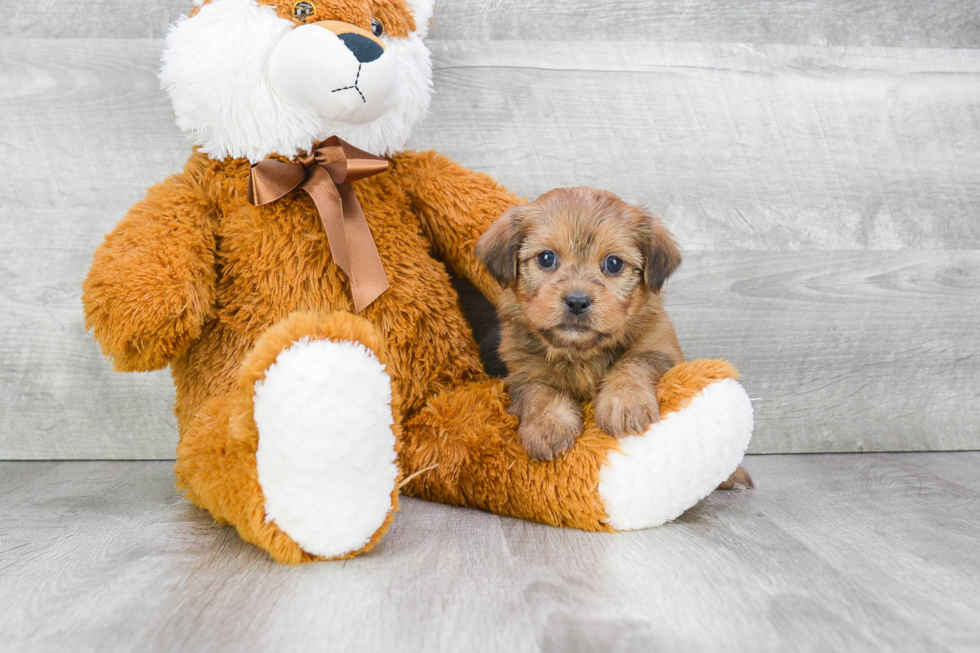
(369, 279)
(349, 236)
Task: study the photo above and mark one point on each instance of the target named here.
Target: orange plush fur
(393, 14)
(197, 278)
(161, 291)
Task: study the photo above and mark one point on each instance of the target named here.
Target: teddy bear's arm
(456, 206)
(152, 280)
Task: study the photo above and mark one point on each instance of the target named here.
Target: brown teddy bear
(294, 278)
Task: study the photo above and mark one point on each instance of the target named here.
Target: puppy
(581, 316)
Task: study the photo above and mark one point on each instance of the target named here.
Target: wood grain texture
(736, 147)
(856, 552)
(843, 351)
(820, 153)
(84, 129)
(783, 148)
(904, 23)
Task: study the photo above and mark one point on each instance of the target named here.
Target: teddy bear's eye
(377, 27)
(303, 10)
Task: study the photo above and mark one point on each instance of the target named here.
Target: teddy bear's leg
(601, 483)
(300, 458)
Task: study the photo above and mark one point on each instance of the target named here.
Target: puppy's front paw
(547, 435)
(620, 413)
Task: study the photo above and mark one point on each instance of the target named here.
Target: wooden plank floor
(863, 552)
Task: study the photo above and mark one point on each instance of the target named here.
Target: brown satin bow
(326, 175)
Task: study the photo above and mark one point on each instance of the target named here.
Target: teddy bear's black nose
(363, 48)
(578, 303)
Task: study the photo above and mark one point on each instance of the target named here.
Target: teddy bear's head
(249, 78)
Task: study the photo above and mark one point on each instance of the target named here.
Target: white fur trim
(389, 133)
(422, 11)
(217, 73)
(326, 452)
(655, 477)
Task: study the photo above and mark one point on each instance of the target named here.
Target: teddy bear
(295, 277)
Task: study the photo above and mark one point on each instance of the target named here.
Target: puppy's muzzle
(577, 303)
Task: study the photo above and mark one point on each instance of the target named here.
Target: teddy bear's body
(273, 260)
(300, 416)
(235, 270)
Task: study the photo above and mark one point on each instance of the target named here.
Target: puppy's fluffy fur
(581, 314)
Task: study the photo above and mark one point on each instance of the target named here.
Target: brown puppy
(581, 315)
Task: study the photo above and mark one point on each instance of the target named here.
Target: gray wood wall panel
(902, 23)
(735, 147)
(826, 198)
(84, 129)
(770, 148)
(842, 351)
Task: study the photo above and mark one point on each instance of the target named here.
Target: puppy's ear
(661, 254)
(497, 248)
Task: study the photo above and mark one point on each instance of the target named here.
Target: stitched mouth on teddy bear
(340, 78)
(353, 86)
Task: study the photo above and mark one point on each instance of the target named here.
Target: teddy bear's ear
(660, 253)
(497, 249)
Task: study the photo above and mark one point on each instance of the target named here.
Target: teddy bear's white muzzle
(313, 69)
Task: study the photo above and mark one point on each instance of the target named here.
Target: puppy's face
(582, 265)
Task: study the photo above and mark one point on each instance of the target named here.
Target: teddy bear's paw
(326, 449)
(653, 478)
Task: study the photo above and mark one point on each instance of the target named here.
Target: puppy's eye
(612, 265)
(547, 260)
(377, 27)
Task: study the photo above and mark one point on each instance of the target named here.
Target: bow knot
(326, 174)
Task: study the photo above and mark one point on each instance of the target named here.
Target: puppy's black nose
(578, 303)
(363, 48)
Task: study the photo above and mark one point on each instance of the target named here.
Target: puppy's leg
(739, 480)
(550, 420)
(626, 403)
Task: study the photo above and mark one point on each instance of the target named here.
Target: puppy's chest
(580, 379)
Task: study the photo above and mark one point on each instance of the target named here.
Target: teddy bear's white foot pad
(656, 476)
(326, 451)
